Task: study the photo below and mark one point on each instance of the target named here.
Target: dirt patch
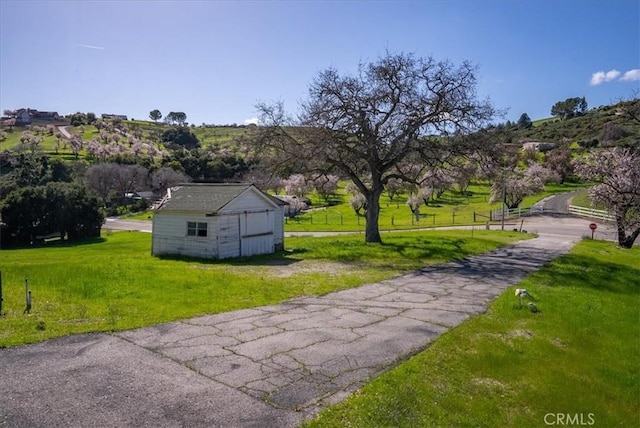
(309, 267)
(488, 382)
(521, 333)
(285, 268)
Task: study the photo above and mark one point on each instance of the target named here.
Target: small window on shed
(197, 229)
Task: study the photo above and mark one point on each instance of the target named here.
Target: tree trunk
(372, 231)
(624, 240)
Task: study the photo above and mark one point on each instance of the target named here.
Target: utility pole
(504, 193)
(1, 298)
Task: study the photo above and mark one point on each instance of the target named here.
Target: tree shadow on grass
(56, 243)
(589, 272)
(442, 249)
(279, 258)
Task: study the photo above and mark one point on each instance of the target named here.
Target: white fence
(573, 209)
(517, 212)
(590, 212)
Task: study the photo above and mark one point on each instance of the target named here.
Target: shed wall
(228, 236)
(250, 200)
(170, 235)
(278, 228)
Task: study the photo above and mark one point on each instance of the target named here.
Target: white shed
(218, 221)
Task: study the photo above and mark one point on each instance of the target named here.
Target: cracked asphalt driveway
(268, 366)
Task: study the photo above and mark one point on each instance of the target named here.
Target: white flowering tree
(463, 174)
(358, 203)
(393, 186)
(616, 173)
(439, 180)
(414, 203)
(516, 186)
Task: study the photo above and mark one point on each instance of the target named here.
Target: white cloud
(602, 76)
(89, 46)
(631, 75)
(253, 120)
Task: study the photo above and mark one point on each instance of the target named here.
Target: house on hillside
(23, 117)
(44, 116)
(26, 116)
(114, 116)
(538, 146)
(217, 221)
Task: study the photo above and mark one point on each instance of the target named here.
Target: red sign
(593, 226)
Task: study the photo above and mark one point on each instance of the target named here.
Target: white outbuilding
(218, 221)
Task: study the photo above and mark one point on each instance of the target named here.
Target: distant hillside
(223, 136)
(603, 126)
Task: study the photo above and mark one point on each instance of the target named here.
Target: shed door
(256, 233)
(228, 236)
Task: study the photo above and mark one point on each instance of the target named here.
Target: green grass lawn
(114, 283)
(143, 215)
(452, 208)
(580, 355)
(48, 144)
(581, 200)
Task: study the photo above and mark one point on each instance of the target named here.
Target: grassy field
(581, 200)
(580, 355)
(452, 208)
(47, 145)
(221, 137)
(114, 283)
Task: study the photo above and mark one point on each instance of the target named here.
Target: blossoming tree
(616, 173)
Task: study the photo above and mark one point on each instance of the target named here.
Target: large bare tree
(398, 109)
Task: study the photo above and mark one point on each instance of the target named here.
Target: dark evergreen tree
(180, 138)
(66, 209)
(524, 122)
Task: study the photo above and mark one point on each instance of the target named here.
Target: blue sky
(215, 60)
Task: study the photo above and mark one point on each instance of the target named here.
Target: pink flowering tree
(616, 174)
(547, 175)
(76, 144)
(295, 207)
(326, 185)
(297, 185)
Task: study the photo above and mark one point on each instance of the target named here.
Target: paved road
(124, 224)
(559, 203)
(272, 366)
(63, 130)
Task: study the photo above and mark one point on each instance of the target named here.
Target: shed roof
(206, 197)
